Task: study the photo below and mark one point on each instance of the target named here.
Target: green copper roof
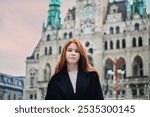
(54, 2)
(138, 6)
(54, 14)
(128, 6)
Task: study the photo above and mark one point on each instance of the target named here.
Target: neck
(72, 67)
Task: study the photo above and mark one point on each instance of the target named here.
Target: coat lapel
(82, 83)
(65, 84)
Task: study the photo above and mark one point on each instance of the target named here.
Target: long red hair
(83, 61)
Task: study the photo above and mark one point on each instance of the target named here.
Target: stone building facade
(116, 36)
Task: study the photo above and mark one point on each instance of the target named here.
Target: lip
(72, 57)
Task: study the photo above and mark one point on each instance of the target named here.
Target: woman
(74, 77)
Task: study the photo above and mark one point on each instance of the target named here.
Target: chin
(73, 62)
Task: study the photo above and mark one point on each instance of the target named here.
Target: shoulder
(55, 77)
(93, 73)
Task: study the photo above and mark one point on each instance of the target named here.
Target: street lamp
(116, 63)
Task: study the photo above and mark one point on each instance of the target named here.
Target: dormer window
(48, 37)
(114, 9)
(136, 27)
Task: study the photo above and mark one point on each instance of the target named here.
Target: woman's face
(72, 54)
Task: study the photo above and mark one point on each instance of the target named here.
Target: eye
(69, 50)
(77, 51)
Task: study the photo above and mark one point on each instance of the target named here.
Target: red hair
(83, 61)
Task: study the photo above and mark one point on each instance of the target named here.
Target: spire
(54, 19)
(128, 6)
(138, 6)
(128, 10)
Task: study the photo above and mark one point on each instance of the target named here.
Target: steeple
(54, 19)
(138, 6)
(128, 10)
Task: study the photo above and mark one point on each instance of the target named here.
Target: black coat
(87, 87)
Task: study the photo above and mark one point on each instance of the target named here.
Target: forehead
(73, 45)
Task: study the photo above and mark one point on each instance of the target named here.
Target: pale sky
(20, 31)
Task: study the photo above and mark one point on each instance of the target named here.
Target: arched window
(117, 29)
(47, 72)
(65, 35)
(31, 96)
(111, 44)
(45, 50)
(134, 42)
(37, 56)
(108, 70)
(32, 82)
(118, 44)
(105, 45)
(91, 50)
(59, 49)
(87, 44)
(136, 27)
(14, 96)
(50, 50)
(138, 66)
(140, 41)
(48, 37)
(70, 35)
(123, 43)
(111, 30)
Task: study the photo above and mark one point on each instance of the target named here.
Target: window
(48, 37)
(111, 30)
(138, 66)
(50, 50)
(32, 82)
(105, 45)
(117, 29)
(70, 35)
(111, 44)
(31, 96)
(118, 44)
(47, 72)
(140, 41)
(35, 96)
(91, 50)
(134, 42)
(136, 27)
(37, 56)
(45, 50)
(123, 43)
(59, 49)
(65, 35)
(87, 44)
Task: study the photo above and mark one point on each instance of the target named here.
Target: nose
(73, 53)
